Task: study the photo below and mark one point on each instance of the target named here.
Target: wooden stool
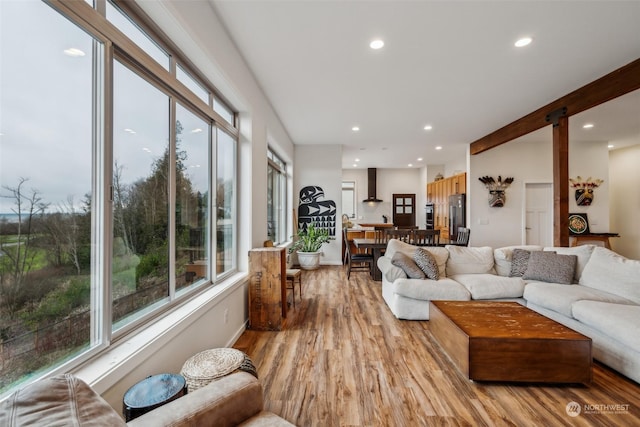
(292, 274)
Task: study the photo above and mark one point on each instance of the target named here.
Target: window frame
(117, 47)
(279, 166)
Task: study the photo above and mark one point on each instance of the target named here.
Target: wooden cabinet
(438, 193)
(267, 289)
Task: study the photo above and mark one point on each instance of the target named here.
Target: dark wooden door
(404, 210)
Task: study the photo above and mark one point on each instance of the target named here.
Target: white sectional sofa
(602, 301)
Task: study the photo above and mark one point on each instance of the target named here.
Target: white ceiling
(450, 64)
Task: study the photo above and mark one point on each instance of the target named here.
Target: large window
(108, 211)
(140, 254)
(276, 198)
(349, 198)
(46, 144)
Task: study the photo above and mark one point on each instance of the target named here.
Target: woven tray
(209, 365)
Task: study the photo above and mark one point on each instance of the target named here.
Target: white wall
(624, 181)
(525, 162)
(531, 162)
(389, 182)
(197, 31)
(591, 159)
(321, 165)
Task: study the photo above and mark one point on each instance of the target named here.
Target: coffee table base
(540, 350)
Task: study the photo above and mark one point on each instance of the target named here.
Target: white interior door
(539, 214)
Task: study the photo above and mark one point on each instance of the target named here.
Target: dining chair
(462, 238)
(356, 260)
(426, 237)
(402, 234)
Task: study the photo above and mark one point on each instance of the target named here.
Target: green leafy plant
(310, 240)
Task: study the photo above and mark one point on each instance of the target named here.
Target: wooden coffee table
(505, 341)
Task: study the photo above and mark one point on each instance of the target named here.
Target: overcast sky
(46, 111)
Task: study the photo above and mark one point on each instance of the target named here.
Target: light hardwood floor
(345, 360)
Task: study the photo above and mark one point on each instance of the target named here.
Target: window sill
(111, 365)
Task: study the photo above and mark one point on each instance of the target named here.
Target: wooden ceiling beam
(617, 83)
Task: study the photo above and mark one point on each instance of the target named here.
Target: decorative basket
(209, 365)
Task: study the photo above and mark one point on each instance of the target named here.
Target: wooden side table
(577, 239)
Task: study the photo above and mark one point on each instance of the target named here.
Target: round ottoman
(209, 365)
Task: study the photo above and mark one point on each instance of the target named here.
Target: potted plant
(308, 245)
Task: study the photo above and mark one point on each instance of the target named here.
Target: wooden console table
(577, 239)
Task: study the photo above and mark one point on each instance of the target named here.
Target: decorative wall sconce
(584, 189)
(497, 197)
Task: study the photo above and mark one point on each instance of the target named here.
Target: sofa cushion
(560, 298)
(431, 290)
(468, 260)
(610, 272)
(551, 267)
(427, 263)
(519, 262)
(63, 400)
(441, 254)
(408, 265)
(620, 322)
(583, 252)
(491, 286)
(503, 256)
(395, 245)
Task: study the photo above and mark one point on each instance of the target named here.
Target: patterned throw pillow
(405, 262)
(551, 267)
(519, 261)
(427, 263)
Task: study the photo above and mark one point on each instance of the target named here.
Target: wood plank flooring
(343, 359)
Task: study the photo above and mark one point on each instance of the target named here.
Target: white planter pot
(309, 260)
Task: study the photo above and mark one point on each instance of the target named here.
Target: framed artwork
(578, 223)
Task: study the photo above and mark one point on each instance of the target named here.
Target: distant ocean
(10, 217)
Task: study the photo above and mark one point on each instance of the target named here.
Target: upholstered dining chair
(356, 261)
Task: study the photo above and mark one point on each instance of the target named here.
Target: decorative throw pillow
(519, 262)
(405, 262)
(551, 267)
(427, 263)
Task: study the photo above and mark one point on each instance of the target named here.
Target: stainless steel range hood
(371, 186)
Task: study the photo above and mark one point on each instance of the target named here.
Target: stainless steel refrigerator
(457, 214)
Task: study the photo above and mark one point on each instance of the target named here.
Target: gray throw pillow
(519, 262)
(407, 265)
(427, 263)
(551, 267)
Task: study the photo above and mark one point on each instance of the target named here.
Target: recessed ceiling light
(410, 165)
(130, 131)
(72, 51)
(196, 130)
(428, 127)
(587, 126)
(357, 160)
(376, 44)
(610, 146)
(438, 147)
(355, 166)
(355, 128)
(523, 42)
(419, 159)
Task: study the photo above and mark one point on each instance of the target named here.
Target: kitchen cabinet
(438, 193)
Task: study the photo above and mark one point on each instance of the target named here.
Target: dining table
(376, 246)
